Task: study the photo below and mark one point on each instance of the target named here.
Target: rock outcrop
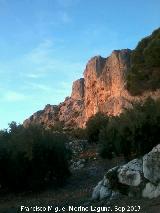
(105, 82)
(101, 90)
(49, 116)
(139, 177)
(78, 89)
(68, 113)
(151, 165)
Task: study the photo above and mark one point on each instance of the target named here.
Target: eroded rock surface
(49, 116)
(151, 190)
(139, 178)
(151, 165)
(69, 113)
(104, 83)
(78, 89)
(101, 90)
(131, 173)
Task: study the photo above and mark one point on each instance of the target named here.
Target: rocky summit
(101, 90)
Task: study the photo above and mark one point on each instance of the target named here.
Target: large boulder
(131, 173)
(137, 178)
(151, 165)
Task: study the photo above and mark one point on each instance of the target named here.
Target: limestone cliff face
(104, 83)
(78, 89)
(102, 89)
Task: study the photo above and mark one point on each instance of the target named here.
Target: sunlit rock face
(104, 83)
(101, 90)
(78, 89)
(69, 112)
(48, 116)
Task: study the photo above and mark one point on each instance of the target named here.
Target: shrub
(134, 133)
(78, 133)
(109, 139)
(57, 127)
(145, 65)
(32, 157)
(94, 125)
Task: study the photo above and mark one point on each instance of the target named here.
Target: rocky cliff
(104, 83)
(101, 90)
(68, 113)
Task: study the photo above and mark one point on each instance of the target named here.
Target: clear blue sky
(45, 44)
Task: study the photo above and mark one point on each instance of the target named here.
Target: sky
(45, 45)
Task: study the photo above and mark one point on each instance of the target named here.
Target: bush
(32, 157)
(134, 133)
(57, 127)
(145, 65)
(109, 139)
(94, 125)
(78, 133)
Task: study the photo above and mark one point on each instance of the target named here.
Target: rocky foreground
(87, 169)
(138, 178)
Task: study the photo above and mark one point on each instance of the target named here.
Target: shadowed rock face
(101, 90)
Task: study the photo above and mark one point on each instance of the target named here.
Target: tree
(94, 125)
(144, 73)
(32, 157)
(134, 133)
(109, 139)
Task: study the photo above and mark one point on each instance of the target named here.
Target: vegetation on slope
(32, 157)
(145, 65)
(133, 133)
(94, 125)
